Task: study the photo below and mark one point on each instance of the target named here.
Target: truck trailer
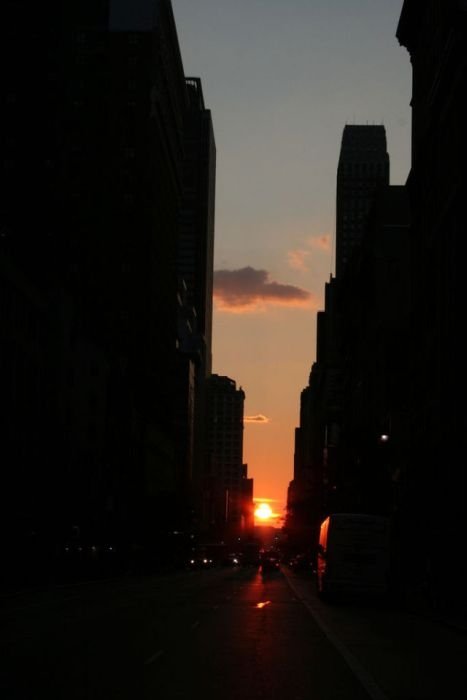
(354, 555)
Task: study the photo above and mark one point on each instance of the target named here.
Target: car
(270, 563)
(232, 559)
(200, 562)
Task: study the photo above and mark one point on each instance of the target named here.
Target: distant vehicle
(270, 561)
(353, 555)
(216, 552)
(201, 558)
(233, 559)
(200, 562)
(251, 554)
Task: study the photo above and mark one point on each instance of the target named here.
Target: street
(227, 632)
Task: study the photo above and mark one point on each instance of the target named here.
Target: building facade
(224, 471)
(98, 183)
(356, 389)
(434, 489)
(363, 167)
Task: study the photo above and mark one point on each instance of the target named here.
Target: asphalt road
(227, 634)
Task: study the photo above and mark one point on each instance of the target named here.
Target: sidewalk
(455, 619)
(398, 652)
(452, 614)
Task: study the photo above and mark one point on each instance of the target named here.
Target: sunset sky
(282, 78)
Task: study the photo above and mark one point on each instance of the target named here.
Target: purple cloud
(248, 289)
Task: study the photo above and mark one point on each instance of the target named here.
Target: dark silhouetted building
(108, 206)
(433, 484)
(374, 332)
(356, 391)
(195, 263)
(196, 236)
(247, 504)
(223, 478)
(363, 167)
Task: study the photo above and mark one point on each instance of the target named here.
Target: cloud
(259, 418)
(320, 242)
(248, 289)
(297, 258)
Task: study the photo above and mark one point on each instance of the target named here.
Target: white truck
(354, 555)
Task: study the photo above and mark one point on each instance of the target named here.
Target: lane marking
(365, 678)
(154, 657)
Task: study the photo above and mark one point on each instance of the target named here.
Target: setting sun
(263, 511)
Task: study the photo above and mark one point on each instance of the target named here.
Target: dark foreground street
(221, 634)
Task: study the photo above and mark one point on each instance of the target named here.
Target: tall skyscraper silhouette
(106, 247)
(363, 167)
(223, 480)
(195, 260)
